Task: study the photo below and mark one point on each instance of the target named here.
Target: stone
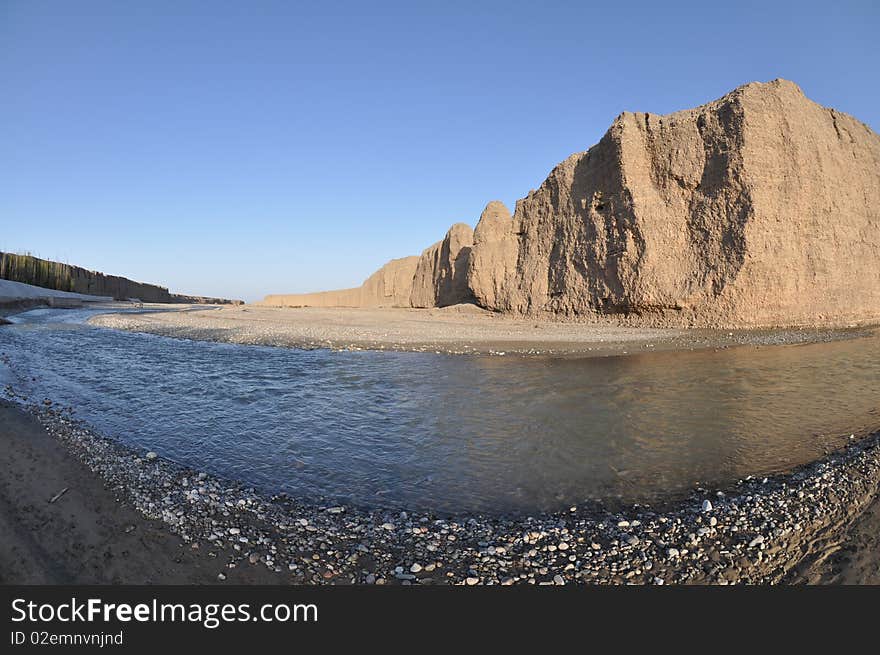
(152, 455)
(707, 505)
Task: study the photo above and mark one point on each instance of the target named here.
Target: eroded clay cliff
(390, 286)
(761, 208)
(441, 277)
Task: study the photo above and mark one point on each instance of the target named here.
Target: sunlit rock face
(761, 208)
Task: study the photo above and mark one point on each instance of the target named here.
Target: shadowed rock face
(761, 208)
(441, 277)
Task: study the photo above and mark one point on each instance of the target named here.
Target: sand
(852, 557)
(87, 536)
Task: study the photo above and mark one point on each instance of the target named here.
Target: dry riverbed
(461, 329)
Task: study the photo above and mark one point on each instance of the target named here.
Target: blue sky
(245, 148)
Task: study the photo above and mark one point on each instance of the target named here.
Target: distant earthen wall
(66, 277)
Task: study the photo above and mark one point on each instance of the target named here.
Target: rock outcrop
(493, 256)
(441, 277)
(761, 208)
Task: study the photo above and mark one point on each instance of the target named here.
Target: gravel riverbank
(770, 530)
(460, 329)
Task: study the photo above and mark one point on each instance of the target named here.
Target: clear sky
(245, 148)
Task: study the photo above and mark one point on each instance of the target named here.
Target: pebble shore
(758, 531)
(450, 331)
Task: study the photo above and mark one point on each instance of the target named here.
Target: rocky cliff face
(441, 277)
(494, 255)
(761, 208)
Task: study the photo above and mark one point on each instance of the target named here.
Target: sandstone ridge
(761, 208)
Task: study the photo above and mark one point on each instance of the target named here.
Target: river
(453, 433)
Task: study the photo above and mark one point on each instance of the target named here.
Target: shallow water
(454, 433)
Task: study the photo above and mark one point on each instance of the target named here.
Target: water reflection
(456, 433)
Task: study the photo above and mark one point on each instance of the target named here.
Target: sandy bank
(462, 329)
(88, 535)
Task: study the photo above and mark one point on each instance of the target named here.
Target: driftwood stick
(58, 495)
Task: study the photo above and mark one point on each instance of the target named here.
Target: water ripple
(454, 433)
